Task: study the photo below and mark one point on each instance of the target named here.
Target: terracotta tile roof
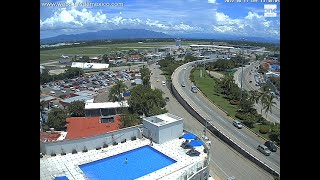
(80, 127)
(48, 136)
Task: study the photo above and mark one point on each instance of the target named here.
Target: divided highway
(275, 115)
(225, 162)
(243, 137)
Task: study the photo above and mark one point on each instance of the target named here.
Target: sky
(223, 17)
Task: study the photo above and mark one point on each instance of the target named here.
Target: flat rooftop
(163, 119)
(68, 165)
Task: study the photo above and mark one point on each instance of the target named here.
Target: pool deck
(68, 164)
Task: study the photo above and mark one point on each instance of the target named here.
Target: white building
(162, 128)
(104, 109)
(88, 66)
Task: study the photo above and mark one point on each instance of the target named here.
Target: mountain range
(145, 34)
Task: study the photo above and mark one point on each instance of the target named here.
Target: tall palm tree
(268, 103)
(116, 91)
(254, 96)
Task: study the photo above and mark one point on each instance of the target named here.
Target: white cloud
(251, 25)
(212, 1)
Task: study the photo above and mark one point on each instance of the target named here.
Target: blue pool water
(141, 161)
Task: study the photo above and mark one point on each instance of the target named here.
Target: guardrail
(217, 132)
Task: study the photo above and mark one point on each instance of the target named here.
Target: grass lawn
(46, 55)
(208, 86)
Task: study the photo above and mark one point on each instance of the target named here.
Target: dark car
(271, 146)
(167, 99)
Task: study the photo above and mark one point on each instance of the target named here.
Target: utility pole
(241, 75)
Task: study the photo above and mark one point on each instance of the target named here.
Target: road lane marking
(254, 150)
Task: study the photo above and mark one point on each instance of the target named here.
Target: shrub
(63, 153)
(134, 138)
(97, 148)
(264, 129)
(114, 143)
(74, 151)
(123, 141)
(85, 149)
(205, 150)
(105, 145)
(234, 102)
(248, 123)
(53, 154)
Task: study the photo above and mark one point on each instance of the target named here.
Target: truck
(194, 89)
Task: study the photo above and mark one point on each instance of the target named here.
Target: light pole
(241, 76)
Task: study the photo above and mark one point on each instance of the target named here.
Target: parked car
(237, 124)
(264, 149)
(167, 99)
(183, 84)
(271, 146)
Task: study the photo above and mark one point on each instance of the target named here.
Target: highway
(275, 115)
(225, 161)
(243, 137)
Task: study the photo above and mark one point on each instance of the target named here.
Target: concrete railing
(216, 131)
(89, 143)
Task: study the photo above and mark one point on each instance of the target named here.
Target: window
(107, 120)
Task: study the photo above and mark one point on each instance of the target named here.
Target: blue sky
(167, 16)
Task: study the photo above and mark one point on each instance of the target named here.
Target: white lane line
(219, 167)
(261, 157)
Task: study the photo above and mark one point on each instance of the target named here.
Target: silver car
(237, 124)
(264, 149)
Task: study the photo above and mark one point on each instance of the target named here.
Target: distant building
(51, 136)
(104, 109)
(68, 101)
(89, 66)
(178, 42)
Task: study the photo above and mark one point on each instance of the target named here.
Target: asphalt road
(224, 162)
(274, 116)
(245, 138)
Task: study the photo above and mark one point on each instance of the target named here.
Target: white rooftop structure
(90, 65)
(162, 128)
(106, 105)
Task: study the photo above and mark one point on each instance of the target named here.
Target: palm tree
(116, 90)
(254, 96)
(268, 103)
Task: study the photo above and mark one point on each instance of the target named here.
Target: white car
(63, 91)
(185, 68)
(237, 124)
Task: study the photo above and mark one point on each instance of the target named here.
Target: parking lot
(98, 82)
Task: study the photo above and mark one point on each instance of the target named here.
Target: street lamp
(241, 76)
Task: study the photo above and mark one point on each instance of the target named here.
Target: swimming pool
(140, 161)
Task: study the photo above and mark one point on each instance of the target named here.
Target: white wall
(90, 142)
(170, 131)
(163, 133)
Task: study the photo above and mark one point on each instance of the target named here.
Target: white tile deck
(68, 165)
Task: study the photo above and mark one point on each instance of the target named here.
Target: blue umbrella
(195, 143)
(61, 178)
(189, 136)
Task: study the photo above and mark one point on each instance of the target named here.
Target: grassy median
(207, 85)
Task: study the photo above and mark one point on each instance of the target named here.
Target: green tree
(254, 96)
(105, 58)
(246, 105)
(145, 75)
(85, 59)
(128, 120)
(57, 119)
(268, 103)
(146, 100)
(116, 91)
(76, 109)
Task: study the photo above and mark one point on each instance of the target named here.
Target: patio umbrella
(189, 136)
(195, 143)
(61, 178)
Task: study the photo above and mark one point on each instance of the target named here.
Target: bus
(194, 89)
